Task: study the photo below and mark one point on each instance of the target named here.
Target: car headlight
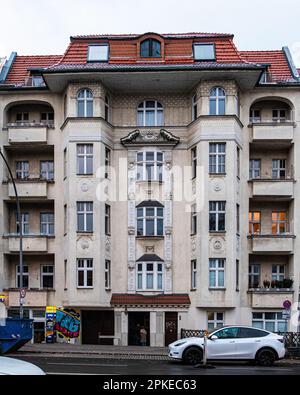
(179, 344)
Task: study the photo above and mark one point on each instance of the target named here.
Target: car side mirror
(214, 337)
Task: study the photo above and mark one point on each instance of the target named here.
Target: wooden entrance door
(171, 327)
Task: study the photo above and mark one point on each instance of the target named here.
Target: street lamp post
(19, 220)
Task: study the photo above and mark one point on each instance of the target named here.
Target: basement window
(98, 53)
(204, 52)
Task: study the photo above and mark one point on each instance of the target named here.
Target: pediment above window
(150, 137)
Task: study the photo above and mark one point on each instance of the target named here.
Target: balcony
(34, 188)
(28, 133)
(272, 131)
(30, 244)
(34, 298)
(269, 297)
(283, 243)
(272, 187)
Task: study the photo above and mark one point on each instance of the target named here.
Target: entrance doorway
(135, 322)
(38, 332)
(171, 327)
(97, 327)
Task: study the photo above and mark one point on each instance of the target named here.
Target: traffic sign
(286, 314)
(22, 293)
(287, 304)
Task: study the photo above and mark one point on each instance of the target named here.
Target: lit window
(150, 49)
(204, 52)
(279, 222)
(254, 223)
(98, 53)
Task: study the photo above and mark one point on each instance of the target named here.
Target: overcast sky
(44, 26)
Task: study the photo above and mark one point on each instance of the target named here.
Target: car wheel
(266, 357)
(193, 356)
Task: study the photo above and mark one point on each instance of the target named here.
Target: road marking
(86, 364)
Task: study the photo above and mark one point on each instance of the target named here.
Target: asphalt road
(97, 366)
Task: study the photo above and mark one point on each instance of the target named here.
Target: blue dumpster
(14, 334)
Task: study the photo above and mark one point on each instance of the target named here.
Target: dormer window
(150, 49)
(98, 53)
(204, 52)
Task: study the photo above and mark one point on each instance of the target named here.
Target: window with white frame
(65, 219)
(237, 275)
(47, 224)
(107, 276)
(254, 276)
(194, 161)
(150, 166)
(47, 118)
(270, 321)
(204, 51)
(193, 274)
(193, 219)
(47, 276)
(215, 320)
(255, 115)
(194, 108)
(217, 100)
(98, 53)
(237, 218)
(279, 169)
(107, 162)
(217, 273)
(149, 276)
(238, 162)
(150, 221)
(22, 170)
(65, 163)
(278, 272)
(84, 216)
(25, 276)
(280, 224)
(107, 109)
(254, 169)
(47, 170)
(279, 115)
(254, 222)
(85, 157)
(150, 113)
(84, 273)
(24, 222)
(217, 211)
(217, 158)
(107, 220)
(22, 117)
(85, 103)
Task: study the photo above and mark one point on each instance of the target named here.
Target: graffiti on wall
(67, 323)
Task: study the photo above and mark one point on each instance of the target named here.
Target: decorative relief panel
(217, 245)
(194, 251)
(217, 185)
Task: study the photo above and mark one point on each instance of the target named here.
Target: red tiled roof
(158, 300)
(279, 67)
(165, 35)
(19, 70)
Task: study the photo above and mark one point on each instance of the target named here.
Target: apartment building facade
(157, 176)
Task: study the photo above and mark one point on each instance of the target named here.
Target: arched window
(150, 219)
(150, 49)
(84, 103)
(150, 113)
(217, 100)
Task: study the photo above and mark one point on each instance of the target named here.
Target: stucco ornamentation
(84, 187)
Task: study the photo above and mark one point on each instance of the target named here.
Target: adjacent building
(158, 180)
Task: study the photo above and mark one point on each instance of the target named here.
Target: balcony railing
(30, 124)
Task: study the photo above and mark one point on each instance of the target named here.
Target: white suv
(231, 343)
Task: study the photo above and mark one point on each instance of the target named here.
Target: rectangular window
(107, 220)
(25, 276)
(150, 221)
(217, 273)
(84, 273)
(279, 169)
(85, 159)
(237, 275)
(279, 222)
(270, 321)
(238, 162)
(65, 163)
(149, 166)
(66, 274)
(254, 223)
(47, 118)
(278, 272)
(22, 117)
(107, 162)
(204, 52)
(65, 219)
(194, 108)
(150, 276)
(25, 223)
(255, 116)
(254, 276)
(194, 162)
(217, 216)
(84, 216)
(279, 115)
(194, 274)
(22, 170)
(98, 53)
(107, 275)
(47, 170)
(47, 276)
(47, 224)
(217, 156)
(254, 169)
(193, 219)
(237, 218)
(214, 320)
